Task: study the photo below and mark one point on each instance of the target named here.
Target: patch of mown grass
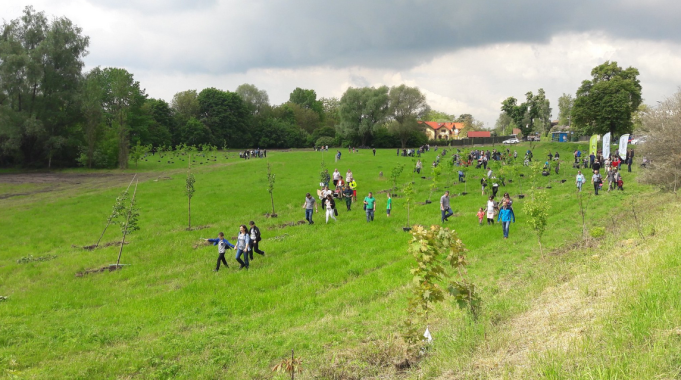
(323, 289)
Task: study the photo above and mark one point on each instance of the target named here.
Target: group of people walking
(247, 242)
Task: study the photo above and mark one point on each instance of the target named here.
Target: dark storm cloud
(227, 36)
(404, 33)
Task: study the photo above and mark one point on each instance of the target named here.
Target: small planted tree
(189, 191)
(118, 208)
(451, 168)
(433, 185)
(537, 211)
(138, 151)
(395, 175)
(162, 150)
(436, 250)
(129, 226)
(516, 173)
(289, 366)
(582, 208)
(324, 176)
(409, 199)
(270, 187)
(465, 169)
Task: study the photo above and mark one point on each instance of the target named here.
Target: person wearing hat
(309, 205)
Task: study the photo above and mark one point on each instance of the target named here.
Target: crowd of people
(338, 188)
(259, 153)
(344, 189)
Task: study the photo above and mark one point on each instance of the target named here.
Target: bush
(597, 232)
(662, 146)
(325, 140)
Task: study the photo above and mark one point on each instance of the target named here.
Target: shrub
(597, 232)
(325, 140)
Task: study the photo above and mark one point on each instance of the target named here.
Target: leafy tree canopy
(605, 103)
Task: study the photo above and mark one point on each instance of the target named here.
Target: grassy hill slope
(334, 292)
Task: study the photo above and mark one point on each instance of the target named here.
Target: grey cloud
(155, 6)
(235, 36)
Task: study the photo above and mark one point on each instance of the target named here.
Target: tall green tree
(533, 114)
(606, 102)
(542, 110)
(331, 107)
(504, 125)
(406, 105)
(438, 116)
(306, 119)
(193, 132)
(307, 99)
(256, 99)
(361, 110)
(565, 103)
(227, 117)
(516, 112)
(40, 74)
(123, 99)
(185, 105)
(93, 93)
(160, 124)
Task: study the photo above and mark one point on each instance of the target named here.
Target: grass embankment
(335, 293)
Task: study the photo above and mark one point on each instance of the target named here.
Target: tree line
(610, 101)
(54, 113)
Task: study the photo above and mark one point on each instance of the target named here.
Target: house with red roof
(479, 134)
(442, 131)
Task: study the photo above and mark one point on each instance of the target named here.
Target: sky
(466, 56)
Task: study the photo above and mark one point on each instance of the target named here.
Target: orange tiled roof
(435, 125)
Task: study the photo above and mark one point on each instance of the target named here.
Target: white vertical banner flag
(606, 145)
(624, 141)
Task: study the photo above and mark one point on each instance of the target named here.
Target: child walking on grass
(222, 244)
(389, 205)
(481, 215)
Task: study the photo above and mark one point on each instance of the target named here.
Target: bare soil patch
(109, 268)
(198, 228)
(288, 224)
(93, 246)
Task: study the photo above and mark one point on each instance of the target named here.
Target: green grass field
(336, 293)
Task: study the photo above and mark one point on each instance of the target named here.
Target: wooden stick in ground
(127, 220)
(638, 225)
(111, 219)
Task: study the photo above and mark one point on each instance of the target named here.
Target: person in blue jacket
(222, 244)
(506, 215)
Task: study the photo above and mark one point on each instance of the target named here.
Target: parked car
(533, 137)
(639, 140)
(512, 140)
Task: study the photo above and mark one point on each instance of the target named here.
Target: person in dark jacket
(255, 239)
(347, 194)
(222, 244)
